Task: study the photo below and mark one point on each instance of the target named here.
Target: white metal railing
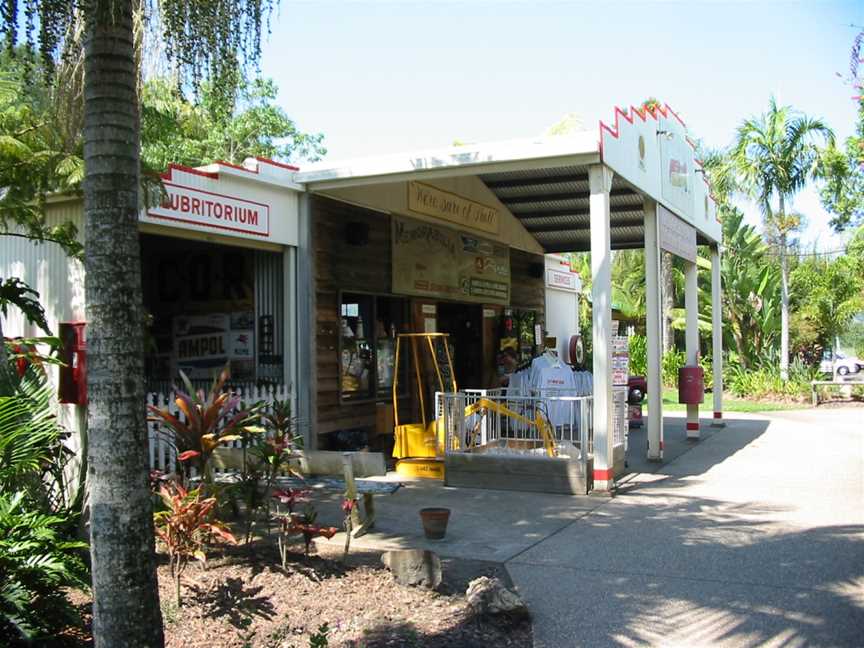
(163, 450)
(492, 421)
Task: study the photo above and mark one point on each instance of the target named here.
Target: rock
(489, 596)
(414, 567)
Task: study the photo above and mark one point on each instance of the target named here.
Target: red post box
(691, 385)
(73, 354)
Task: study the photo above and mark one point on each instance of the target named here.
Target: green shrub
(638, 355)
(765, 382)
(673, 360)
(36, 562)
(39, 512)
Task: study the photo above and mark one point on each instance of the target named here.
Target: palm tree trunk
(125, 595)
(784, 298)
(668, 301)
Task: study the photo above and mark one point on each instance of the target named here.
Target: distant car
(844, 366)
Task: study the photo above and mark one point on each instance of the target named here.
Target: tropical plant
(281, 441)
(37, 561)
(288, 498)
(185, 527)
(774, 156)
(40, 506)
(208, 420)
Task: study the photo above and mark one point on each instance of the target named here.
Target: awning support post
(600, 183)
(717, 334)
(691, 307)
(654, 420)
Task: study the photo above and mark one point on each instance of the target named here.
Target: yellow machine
(417, 445)
(540, 421)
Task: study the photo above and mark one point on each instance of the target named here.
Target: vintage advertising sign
(676, 236)
(207, 209)
(203, 344)
(432, 201)
(432, 261)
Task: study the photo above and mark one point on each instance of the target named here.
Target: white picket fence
(163, 452)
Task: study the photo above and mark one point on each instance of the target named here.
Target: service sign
(190, 206)
(433, 261)
(568, 281)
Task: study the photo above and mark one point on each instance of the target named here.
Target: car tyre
(842, 371)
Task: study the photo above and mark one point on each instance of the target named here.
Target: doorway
(464, 323)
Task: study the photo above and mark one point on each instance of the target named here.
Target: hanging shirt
(553, 381)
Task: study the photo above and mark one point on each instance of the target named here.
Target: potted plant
(435, 522)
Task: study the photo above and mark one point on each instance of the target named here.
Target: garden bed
(245, 599)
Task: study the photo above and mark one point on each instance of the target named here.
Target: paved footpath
(752, 537)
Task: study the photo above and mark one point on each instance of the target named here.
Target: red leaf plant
(208, 420)
(186, 526)
(291, 524)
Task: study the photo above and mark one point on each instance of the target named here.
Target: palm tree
(774, 156)
(227, 35)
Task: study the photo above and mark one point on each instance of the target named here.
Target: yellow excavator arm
(541, 422)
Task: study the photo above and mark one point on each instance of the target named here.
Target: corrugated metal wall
(45, 267)
(269, 316)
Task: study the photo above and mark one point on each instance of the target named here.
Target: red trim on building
(185, 169)
(604, 474)
(236, 166)
(281, 165)
(692, 426)
(718, 415)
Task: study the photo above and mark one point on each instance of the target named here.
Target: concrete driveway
(753, 536)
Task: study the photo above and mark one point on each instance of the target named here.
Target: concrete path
(753, 536)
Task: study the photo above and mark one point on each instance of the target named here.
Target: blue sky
(385, 77)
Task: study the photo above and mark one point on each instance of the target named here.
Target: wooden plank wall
(341, 266)
(367, 268)
(527, 292)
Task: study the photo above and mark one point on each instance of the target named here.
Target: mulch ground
(244, 599)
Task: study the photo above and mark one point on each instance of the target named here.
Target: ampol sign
(212, 210)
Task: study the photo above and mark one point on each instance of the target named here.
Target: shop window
(210, 305)
(368, 328)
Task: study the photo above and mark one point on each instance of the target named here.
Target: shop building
(382, 231)
(219, 262)
(302, 279)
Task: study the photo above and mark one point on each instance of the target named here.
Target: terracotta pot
(435, 522)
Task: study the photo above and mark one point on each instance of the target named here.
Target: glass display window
(368, 328)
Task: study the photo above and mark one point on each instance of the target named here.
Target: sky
(388, 77)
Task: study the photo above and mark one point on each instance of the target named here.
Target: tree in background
(245, 123)
(832, 294)
(209, 38)
(774, 156)
(843, 171)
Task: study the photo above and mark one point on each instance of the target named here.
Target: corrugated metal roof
(553, 204)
